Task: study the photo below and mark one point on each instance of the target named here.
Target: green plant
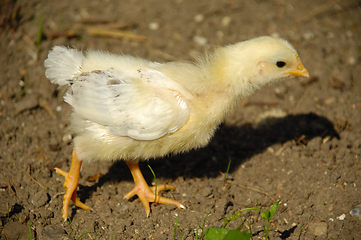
(3, 134)
(86, 233)
(227, 171)
(179, 236)
(202, 228)
(176, 231)
(30, 233)
(71, 231)
(228, 234)
(155, 183)
(299, 230)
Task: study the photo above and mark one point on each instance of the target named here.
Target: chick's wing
(145, 105)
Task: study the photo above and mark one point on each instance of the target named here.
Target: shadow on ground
(236, 143)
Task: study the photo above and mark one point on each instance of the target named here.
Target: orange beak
(299, 71)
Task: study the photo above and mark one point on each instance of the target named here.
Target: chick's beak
(299, 71)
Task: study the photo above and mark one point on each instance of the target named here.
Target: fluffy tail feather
(63, 64)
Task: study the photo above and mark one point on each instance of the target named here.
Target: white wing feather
(143, 106)
(63, 64)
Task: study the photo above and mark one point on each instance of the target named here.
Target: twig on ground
(35, 179)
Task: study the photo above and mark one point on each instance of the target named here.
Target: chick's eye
(280, 64)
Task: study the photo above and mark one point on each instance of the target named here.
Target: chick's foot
(70, 184)
(147, 194)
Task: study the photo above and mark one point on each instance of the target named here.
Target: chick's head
(261, 61)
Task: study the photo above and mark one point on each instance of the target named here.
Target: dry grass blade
(115, 34)
(35, 179)
(47, 108)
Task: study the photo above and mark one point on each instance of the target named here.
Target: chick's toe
(147, 194)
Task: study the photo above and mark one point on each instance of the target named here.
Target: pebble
(225, 21)
(341, 217)
(198, 18)
(67, 138)
(200, 40)
(281, 91)
(351, 61)
(330, 100)
(308, 36)
(220, 34)
(153, 26)
(356, 212)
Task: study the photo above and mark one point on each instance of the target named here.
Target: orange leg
(145, 193)
(70, 184)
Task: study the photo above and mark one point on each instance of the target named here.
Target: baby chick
(133, 109)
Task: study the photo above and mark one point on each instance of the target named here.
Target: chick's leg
(70, 184)
(145, 193)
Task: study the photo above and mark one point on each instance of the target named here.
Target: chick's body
(133, 109)
(205, 112)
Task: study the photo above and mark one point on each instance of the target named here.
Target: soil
(298, 141)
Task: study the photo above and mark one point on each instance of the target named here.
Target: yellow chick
(133, 109)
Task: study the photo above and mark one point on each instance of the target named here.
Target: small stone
(281, 91)
(198, 18)
(308, 36)
(153, 26)
(275, 34)
(200, 40)
(341, 217)
(124, 208)
(67, 138)
(330, 100)
(356, 212)
(351, 61)
(225, 21)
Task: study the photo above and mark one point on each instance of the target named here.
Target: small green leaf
(234, 234)
(273, 209)
(226, 234)
(266, 215)
(216, 233)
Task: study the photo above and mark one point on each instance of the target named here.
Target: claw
(147, 194)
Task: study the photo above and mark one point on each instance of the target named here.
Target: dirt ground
(298, 141)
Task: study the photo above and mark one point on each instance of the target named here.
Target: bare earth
(298, 141)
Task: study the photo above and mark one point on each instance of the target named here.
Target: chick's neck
(226, 85)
